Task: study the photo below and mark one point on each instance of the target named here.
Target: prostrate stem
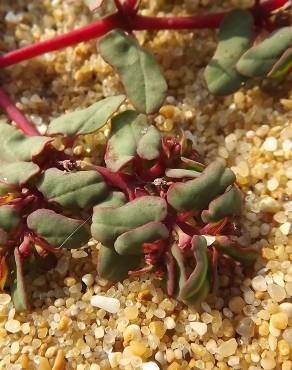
(132, 23)
(15, 115)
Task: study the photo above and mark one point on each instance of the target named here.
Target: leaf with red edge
(149, 145)
(137, 68)
(17, 173)
(80, 189)
(109, 223)
(18, 289)
(127, 130)
(198, 193)
(131, 242)
(283, 65)
(15, 146)
(114, 267)
(88, 120)
(180, 173)
(227, 204)
(58, 230)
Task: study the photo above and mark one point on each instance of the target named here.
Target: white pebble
(276, 292)
(210, 239)
(287, 308)
(285, 228)
(272, 184)
(150, 366)
(4, 299)
(88, 279)
(259, 283)
(199, 327)
(159, 357)
(169, 323)
(108, 304)
(12, 326)
(227, 348)
(270, 144)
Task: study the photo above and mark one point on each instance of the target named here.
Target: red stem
(15, 115)
(133, 23)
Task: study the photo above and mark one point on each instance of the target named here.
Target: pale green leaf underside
(81, 189)
(18, 290)
(137, 68)
(127, 129)
(259, 60)
(17, 173)
(9, 218)
(235, 37)
(88, 120)
(15, 146)
(150, 144)
(58, 230)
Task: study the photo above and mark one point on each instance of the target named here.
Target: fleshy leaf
(235, 37)
(109, 223)
(127, 129)
(115, 199)
(18, 290)
(137, 68)
(17, 173)
(180, 268)
(9, 219)
(112, 266)
(227, 204)
(198, 277)
(260, 59)
(3, 237)
(15, 146)
(283, 65)
(180, 173)
(198, 193)
(58, 230)
(131, 242)
(88, 120)
(240, 254)
(4, 189)
(81, 189)
(150, 144)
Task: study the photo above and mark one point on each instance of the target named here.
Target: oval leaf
(81, 189)
(137, 68)
(180, 173)
(17, 173)
(15, 146)
(259, 60)
(127, 129)
(114, 199)
(87, 120)
(9, 219)
(150, 144)
(235, 37)
(198, 193)
(131, 242)
(227, 204)
(113, 267)
(109, 223)
(58, 230)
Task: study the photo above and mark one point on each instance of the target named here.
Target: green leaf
(18, 173)
(198, 193)
(81, 189)
(15, 146)
(113, 267)
(5, 189)
(115, 199)
(18, 290)
(260, 59)
(180, 270)
(283, 65)
(131, 242)
(9, 219)
(127, 129)
(58, 230)
(87, 120)
(150, 144)
(227, 204)
(137, 68)
(180, 173)
(235, 37)
(109, 223)
(240, 254)
(198, 277)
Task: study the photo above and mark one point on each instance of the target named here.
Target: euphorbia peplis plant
(153, 206)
